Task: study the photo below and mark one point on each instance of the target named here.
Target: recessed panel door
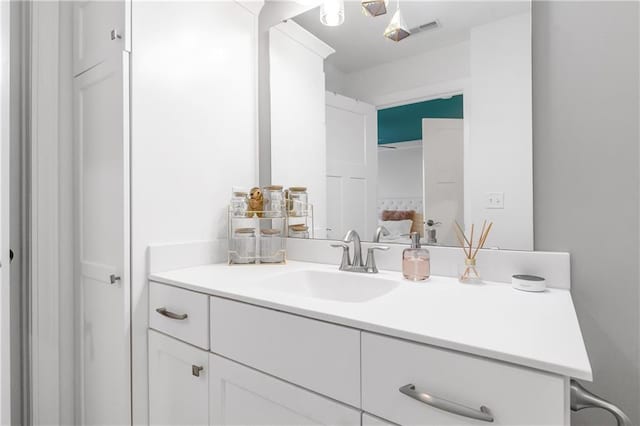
(102, 145)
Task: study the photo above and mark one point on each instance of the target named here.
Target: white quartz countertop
(537, 330)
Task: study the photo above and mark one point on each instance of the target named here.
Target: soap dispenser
(416, 261)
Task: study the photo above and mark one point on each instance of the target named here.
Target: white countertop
(538, 330)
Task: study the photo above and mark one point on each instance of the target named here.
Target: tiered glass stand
(259, 221)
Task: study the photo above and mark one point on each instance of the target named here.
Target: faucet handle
(346, 260)
(371, 260)
(381, 248)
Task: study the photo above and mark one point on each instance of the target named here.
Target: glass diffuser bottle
(416, 261)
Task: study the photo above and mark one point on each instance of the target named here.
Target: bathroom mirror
(412, 134)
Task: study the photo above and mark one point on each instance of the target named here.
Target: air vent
(425, 27)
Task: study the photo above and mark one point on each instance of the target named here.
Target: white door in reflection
(352, 166)
(442, 141)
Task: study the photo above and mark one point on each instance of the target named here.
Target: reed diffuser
(469, 272)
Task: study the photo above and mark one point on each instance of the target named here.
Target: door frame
(428, 93)
(5, 288)
(48, 188)
(44, 214)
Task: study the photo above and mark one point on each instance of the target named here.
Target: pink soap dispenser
(416, 261)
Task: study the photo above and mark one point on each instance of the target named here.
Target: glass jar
(244, 246)
(271, 246)
(298, 231)
(273, 201)
(298, 201)
(239, 204)
(468, 272)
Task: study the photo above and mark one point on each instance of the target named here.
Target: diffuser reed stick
(470, 273)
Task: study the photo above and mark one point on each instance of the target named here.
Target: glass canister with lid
(239, 204)
(298, 231)
(273, 201)
(271, 246)
(298, 201)
(244, 246)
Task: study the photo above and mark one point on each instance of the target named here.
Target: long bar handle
(163, 311)
(445, 405)
(582, 398)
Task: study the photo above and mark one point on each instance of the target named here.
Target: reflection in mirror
(410, 135)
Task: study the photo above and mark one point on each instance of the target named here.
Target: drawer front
(240, 395)
(313, 354)
(457, 382)
(180, 313)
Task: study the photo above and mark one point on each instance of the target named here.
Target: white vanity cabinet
(456, 382)
(243, 396)
(178, 382)
(265, 366)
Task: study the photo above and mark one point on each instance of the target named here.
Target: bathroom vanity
(303, 343)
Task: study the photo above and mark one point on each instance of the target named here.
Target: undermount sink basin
(337, 286)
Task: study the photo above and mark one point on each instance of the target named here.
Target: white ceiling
(360, 44)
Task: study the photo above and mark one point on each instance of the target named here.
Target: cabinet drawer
(313, 354)
(513, 395)
(240, 395)
(180, 313)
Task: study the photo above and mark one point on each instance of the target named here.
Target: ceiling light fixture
(397, 28)
(374, 7)
(332, 12)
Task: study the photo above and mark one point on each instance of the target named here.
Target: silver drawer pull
(172, 315)
(442, 404)
(196, 369)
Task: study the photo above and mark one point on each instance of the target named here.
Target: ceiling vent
(429, 26)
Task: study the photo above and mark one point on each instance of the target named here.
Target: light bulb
(332, 13)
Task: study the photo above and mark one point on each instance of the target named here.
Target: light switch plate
(495, 200)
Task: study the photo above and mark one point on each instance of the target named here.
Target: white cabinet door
(242, 396)
(369, 420)
(98, 32)
(101, 136)
(178, 382)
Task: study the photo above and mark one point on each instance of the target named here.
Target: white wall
(335, 80)
(298, 145)
(498, 151)
(194, 136)
(381, 84)
(586, 176)
(400, 171)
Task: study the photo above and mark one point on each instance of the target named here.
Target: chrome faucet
(357, 265)
(380, 231)
(352, 235)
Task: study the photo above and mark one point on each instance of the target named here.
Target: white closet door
(240, 395)
(352, 166)
(98, 32)
(101, 111)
